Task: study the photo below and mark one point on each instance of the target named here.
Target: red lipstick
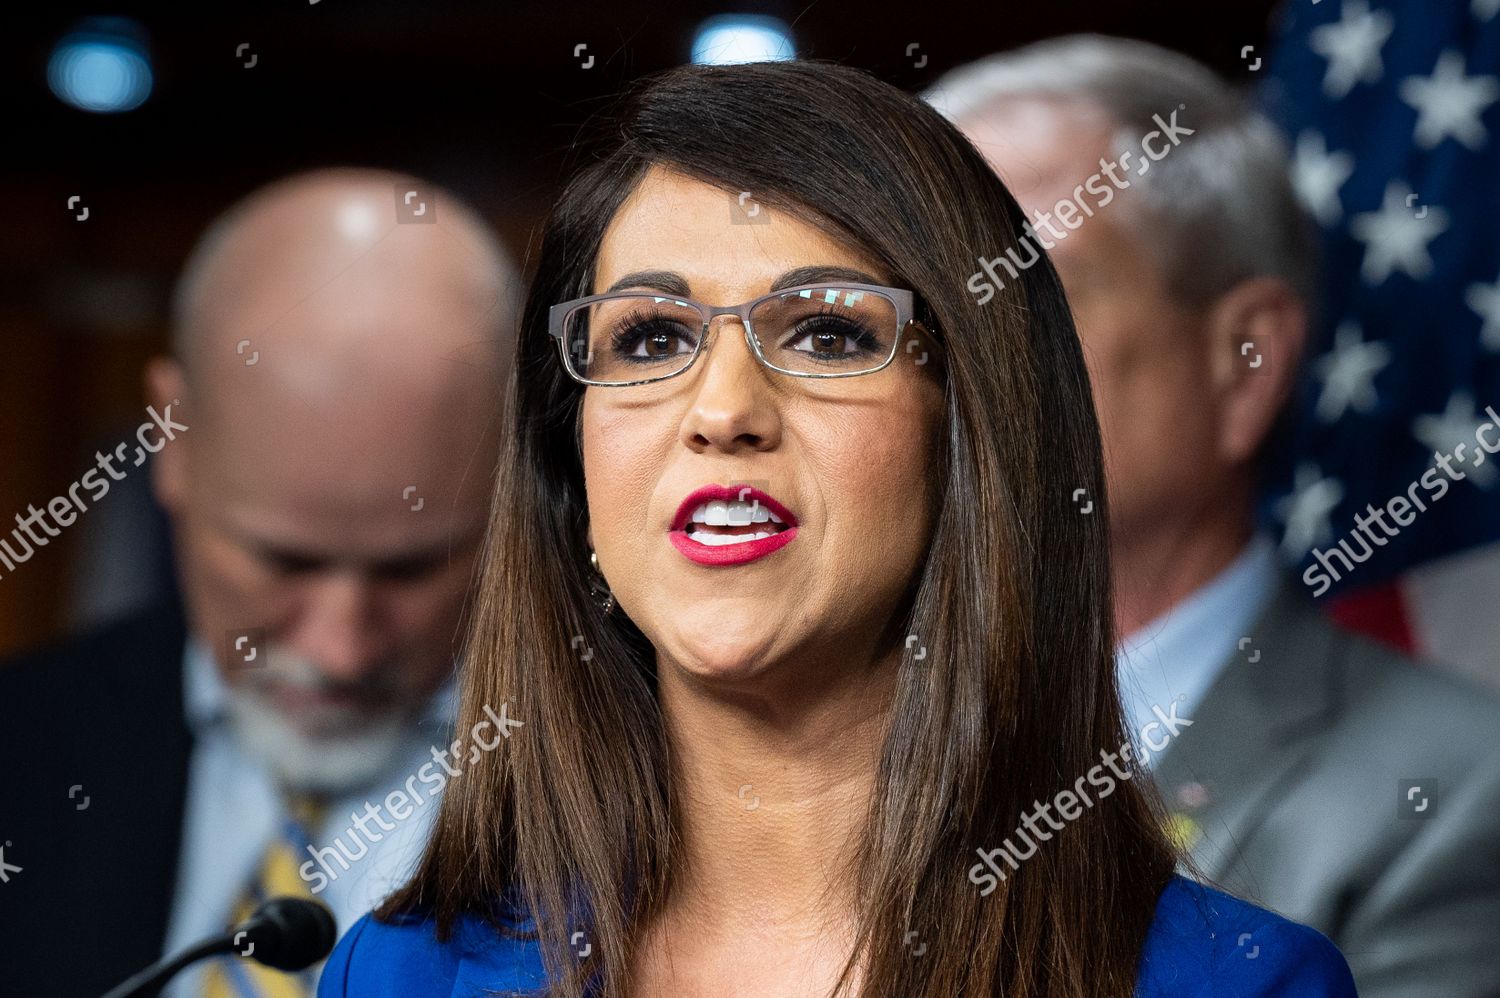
(733, 552)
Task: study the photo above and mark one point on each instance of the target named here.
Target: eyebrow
(674, 283)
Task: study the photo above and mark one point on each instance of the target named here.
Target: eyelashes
(637, 327)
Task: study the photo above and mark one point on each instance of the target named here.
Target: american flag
(1391, 110)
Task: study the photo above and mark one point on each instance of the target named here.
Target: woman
(788, 588)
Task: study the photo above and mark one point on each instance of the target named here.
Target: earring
(599, 588)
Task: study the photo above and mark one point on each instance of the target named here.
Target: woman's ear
(1258, 330)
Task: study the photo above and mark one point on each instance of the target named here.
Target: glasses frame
(557, 317)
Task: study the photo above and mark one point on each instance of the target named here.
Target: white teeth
(742, 514)
(733, 513)
(719, 540)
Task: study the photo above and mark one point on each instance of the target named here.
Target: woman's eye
(830, 338)
(661, 344)
(652, 340)
(823, 343)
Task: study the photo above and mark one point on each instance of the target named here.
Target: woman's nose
(734, 403)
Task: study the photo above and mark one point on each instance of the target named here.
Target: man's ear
(1258, 330)
(165, 385)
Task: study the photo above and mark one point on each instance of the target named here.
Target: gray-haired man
(1322, 776)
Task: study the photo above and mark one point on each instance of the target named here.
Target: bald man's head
(341, 373)
(320, 243)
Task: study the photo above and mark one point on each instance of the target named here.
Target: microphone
(284, 933)
(288, 933)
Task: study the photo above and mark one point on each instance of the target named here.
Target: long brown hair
(1015, 698)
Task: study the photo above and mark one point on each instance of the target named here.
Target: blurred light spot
(358, 220)
(101, 66)
(734, 38)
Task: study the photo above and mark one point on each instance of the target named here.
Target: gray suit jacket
(1296, 781)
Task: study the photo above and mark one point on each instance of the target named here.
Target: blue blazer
(1202, 944)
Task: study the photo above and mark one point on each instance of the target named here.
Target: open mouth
(718, 522)
(730, 525)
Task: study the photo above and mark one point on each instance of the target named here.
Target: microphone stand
(287, 934)
(150, 980)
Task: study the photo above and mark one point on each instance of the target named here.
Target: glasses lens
(830, 330)
(631, 338)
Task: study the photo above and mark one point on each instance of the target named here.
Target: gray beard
(332, 764)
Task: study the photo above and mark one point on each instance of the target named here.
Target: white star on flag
(1395, 237)
(1317, 175)
(1305, 511)
(1485, 299)
(1450, 103)
(1454, 428)
(6, 869)
(1348, 373)
(1352, 47)
(1485, 9)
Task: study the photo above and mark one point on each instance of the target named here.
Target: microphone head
(288, 933)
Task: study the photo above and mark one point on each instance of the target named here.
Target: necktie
(233, 976)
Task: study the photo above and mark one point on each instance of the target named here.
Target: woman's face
(849, 459)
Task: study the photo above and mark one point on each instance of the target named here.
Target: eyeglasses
(810, 331)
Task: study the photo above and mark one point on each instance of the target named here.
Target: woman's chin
(722, 652)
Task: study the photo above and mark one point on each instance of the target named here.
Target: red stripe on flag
(1378, 612)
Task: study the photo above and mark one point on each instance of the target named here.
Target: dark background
(484, 98)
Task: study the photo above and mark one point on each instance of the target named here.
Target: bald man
(339, 350)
